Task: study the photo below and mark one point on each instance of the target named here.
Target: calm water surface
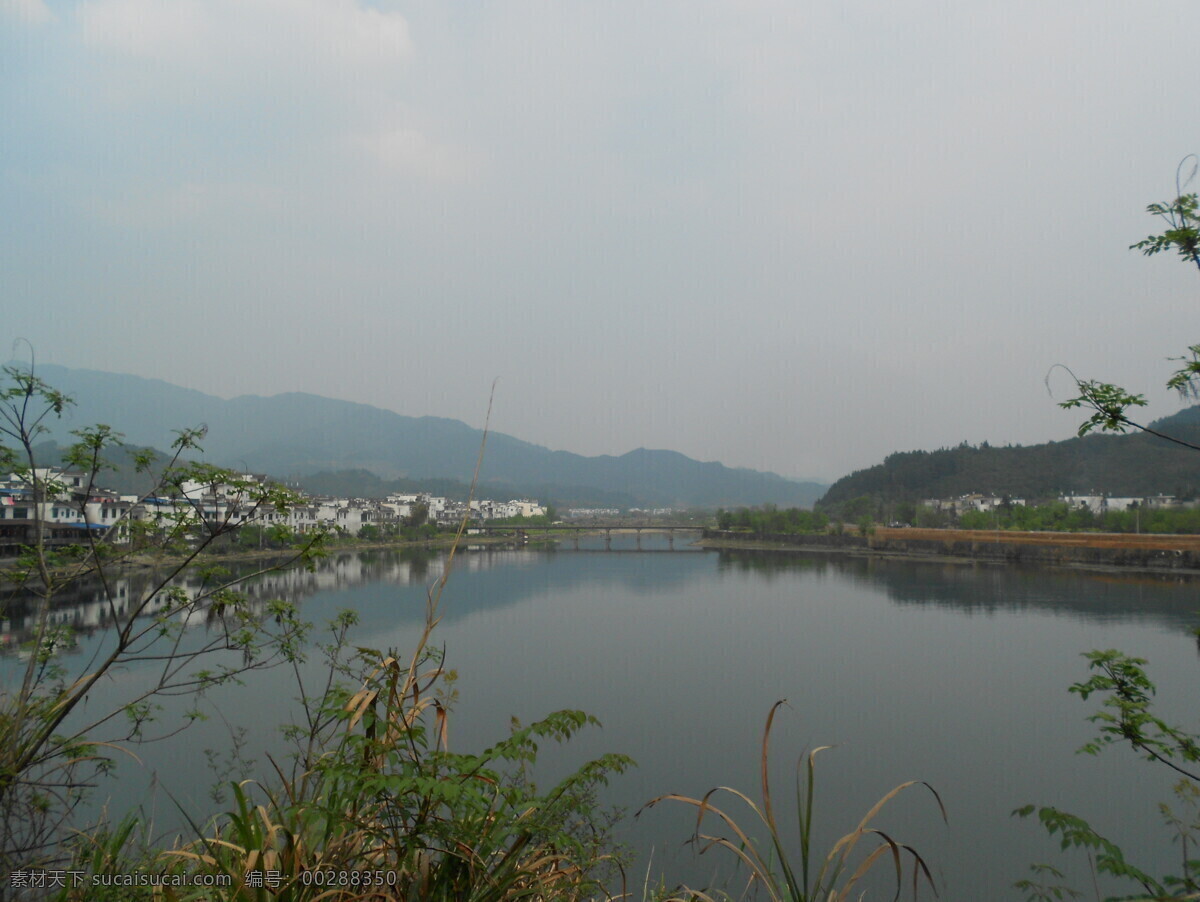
(954, 674)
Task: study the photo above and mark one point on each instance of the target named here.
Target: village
(67, 506)
(1096, 503)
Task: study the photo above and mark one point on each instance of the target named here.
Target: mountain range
(298, 436)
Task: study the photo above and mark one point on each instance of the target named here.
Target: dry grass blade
(895, 792)
(777, 873)
(749, 859)
(835, 862)
(764, 757)
(895, 849)
(359, 703)
(747, 851)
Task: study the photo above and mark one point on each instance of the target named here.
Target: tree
(1110, 404)
(51, 751)
(1127, 714)
(418, 516)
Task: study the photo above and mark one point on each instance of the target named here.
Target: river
(955, 674)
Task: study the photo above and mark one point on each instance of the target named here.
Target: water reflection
(956, 673)
(1168, 599)
(88, 607)
(984, 588)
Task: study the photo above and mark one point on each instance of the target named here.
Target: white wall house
(1122, 504)
(526, 508)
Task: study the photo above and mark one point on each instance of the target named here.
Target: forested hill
(1122, 465)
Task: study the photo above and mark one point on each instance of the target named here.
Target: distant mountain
(1131, 465)
(120, 473)
(296, 435)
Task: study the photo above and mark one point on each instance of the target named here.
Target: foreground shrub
(379, 808)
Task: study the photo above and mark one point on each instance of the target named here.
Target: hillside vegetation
(1121, 465)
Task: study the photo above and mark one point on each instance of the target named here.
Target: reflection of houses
(87, 605)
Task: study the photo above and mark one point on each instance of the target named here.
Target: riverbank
(1157, 553)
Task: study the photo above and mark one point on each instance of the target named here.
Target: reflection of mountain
(490, 578)
(394, 581)
(389, 587)
(1169, 600)
(86, 607)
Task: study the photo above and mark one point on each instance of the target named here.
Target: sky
(791, 236)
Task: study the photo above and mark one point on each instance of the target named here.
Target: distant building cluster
(590, 513)
(68, 507)
(956, 507)
(1097, 504)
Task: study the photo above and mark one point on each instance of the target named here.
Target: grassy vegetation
(797, 874)
(376, 806)
(770, 519)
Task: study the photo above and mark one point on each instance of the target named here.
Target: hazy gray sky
(792, 236)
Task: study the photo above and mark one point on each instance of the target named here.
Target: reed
(787, 874)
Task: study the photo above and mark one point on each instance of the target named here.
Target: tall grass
(797, 874)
